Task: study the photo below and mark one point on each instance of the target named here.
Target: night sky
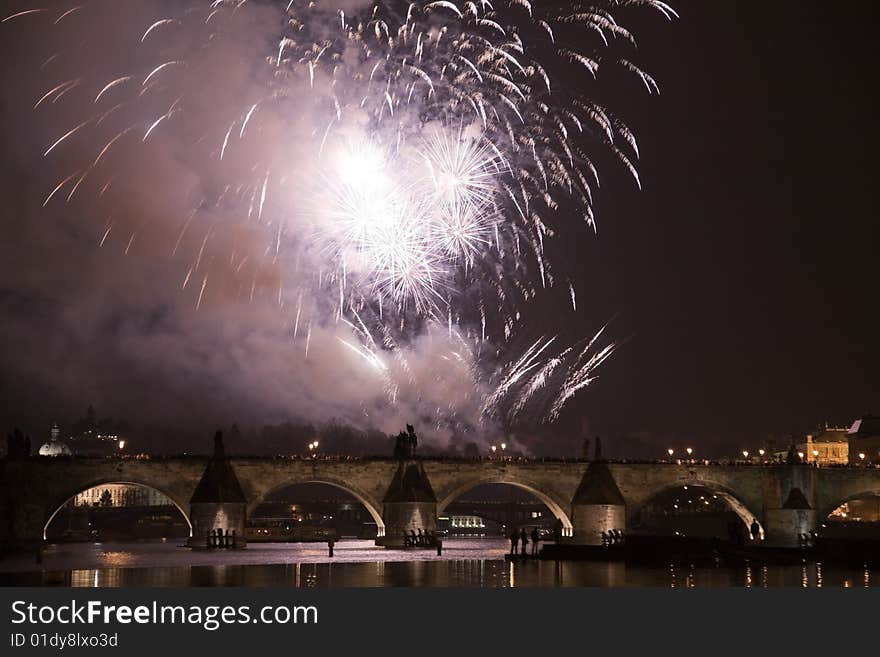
(742, 279)
(746, 271)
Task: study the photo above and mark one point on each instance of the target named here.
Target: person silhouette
(535, 538)
(514, 541)
(524, 539)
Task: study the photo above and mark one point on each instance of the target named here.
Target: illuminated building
(828, 447)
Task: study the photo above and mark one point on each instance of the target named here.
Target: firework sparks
(440, 174)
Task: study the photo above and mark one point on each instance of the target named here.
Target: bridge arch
(740, 508)
(105, 482)
(359, 495)
(555, 505)
(826, 510)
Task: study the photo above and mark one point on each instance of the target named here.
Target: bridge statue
(406, 443)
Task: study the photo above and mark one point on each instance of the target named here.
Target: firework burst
(449, 146)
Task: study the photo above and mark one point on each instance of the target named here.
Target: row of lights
(800, 454)
(745, 454)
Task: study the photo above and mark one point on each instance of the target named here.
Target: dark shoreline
(653, 550)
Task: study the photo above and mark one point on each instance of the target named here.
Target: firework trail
(422, 161)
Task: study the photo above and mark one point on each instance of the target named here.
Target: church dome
(55, 447)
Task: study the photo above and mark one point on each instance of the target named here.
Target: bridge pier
(23, 528)
(598, 506)
(783, 524)
(783, 527)
(409, 505)
(218, 504)
(23, 515)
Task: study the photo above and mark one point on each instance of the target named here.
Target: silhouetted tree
(106, 498)
(18, 445)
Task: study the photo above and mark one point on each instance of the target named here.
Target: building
(55, 446)
(864, 440)
(829, 446)
(90, 436)
(118, 495)
(91, 443)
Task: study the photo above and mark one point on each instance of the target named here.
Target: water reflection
(465, 563)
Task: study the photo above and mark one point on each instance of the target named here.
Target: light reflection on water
(464, 563)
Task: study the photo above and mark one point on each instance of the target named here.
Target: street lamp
(800, 455)
(494, 449)
(670, 451)
(761, 452)
(503, 447)
(816, 456)
(745, 453)
(862, 456)
(689, 451)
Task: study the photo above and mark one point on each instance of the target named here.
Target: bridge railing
(336, 458)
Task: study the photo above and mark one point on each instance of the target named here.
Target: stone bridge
(586, 497)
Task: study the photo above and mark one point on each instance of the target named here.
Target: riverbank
(679, 549)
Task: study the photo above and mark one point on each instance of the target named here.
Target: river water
(464, 563)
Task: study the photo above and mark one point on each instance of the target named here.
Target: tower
(218, 502)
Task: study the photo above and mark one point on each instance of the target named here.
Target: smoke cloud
(151, 285)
